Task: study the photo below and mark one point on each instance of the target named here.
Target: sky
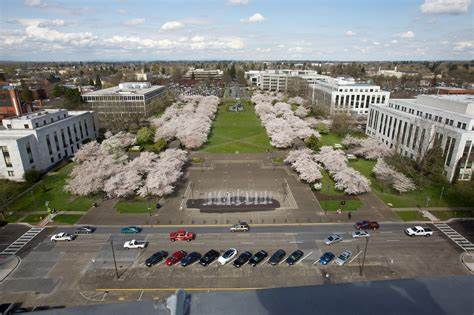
(115, 30)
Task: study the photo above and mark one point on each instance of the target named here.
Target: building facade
(203, 74)
(42, 139)
(10, 101)
(279, 80)
(126, 99)
(344, 95)
(412, 126)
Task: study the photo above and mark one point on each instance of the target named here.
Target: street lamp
(365, 253)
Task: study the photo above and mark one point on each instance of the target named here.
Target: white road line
(296, 242)
(310, 253)
(347, 241)
(355, 256)
(198, 243)
(247, 243)
(267, 260)
(140, 297)
(393, 240)
(386, 232)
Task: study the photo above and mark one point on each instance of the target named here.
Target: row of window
(358, 90)
(114, 98)
(77, 132)
(351, 100)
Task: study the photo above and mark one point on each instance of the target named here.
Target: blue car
(326, 258)
(131, 230)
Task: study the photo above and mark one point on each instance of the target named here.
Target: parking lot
(83, 272)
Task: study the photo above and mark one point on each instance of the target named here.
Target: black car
(209, 257)
(156, 258)
(258, 257)
(294, 257)
(190, 259)
(242, 259)
(277, 257)
(85, 230)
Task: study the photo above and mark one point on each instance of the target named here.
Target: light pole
(365, 253)
(113, 255)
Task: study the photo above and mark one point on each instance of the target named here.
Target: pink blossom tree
(397, 180)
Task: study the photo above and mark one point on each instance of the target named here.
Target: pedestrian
(349, 215)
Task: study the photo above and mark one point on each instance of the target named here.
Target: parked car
(418, 231)
(366, 225)
(134, 244)
(326, 258)
(343, 257)
(294, 257)
(258, 258)
(240, 227)
(62, 237)
(242, 259)
(156, 258)
(177, 256)
(360, 234)
(182, 235)
(227, 256)
(209, 257)
(190, 259)
(333, 238)
(277, 257)
(131, 229)
(85, 230)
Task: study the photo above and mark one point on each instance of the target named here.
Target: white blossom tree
(397, 180)
(302, 162)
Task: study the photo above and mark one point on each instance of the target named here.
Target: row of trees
(302, 161)
(368, 148)
(106, 168)
(282, 125)
(389, 175)
(188, 120)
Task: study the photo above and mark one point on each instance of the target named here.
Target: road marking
(393, 240)
(296, 242)
(386, 232)
(174, 289)
(140, 297)
(355, 256)
(304, 258)
(247, 243)
(198, 243)
(347, 241)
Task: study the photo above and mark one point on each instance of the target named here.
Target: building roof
(127, 88)
(459, 103)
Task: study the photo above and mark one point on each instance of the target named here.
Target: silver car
(333, 238)
(343, 257)
(360, 234)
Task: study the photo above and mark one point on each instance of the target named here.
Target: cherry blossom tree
(302, 111)
(298, 100)
(397, 180)
(302, 162)
(367, 148)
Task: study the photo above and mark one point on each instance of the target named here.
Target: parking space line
(386, 232)
(310, 253)
(247, 243)
(393, 240)
(296, 242)
(355, 256)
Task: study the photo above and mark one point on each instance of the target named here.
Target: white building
(412, 126)
(42, 139)
(278, 80)
(202, 74)
(126, 99)
(344, 95)
(395, 73)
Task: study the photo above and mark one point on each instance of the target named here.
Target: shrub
(145, 135)
(156, 147)
(312, 142)
(32, 176)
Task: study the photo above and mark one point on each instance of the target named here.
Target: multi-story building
(10, 101)
(344, 95)
(42, 139)
(203, 74)
(412, 126)
(279, 80)
(126, 99)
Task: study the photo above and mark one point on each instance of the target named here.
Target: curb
(469, 266)
(18, 260)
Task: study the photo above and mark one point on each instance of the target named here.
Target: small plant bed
(330, 139)
(411, 216)
(327, 188)
(197, 160)
(334, 205)
(67, 218)
(277, 160)
(134, 206)
(446, 215)
(13, 218)
(34, 218)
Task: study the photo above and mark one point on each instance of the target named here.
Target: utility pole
(365, 252)
(113, 255)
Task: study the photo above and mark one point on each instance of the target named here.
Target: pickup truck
(135, 244)
(182, 235)
(240, 227)
(418, 231)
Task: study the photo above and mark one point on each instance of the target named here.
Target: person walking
(349, 215)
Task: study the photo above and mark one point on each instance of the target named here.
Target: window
(29, 153)
(36, 125)
(451, 150)
(26, 126)
(463, 126)
(6, 156)
(9, 126)
(50, 149)
(52, 159)
(11, 174)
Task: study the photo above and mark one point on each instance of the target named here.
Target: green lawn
(34, 218)
(9, 189)
(237, 131)
(13, 218)
(330, 139)
(333, 205)
(411, 216)
(133, 206)
(67, 218)
(328, 185)
(51, 189)
(446, 215)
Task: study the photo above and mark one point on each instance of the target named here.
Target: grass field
(237, 131)
(330, 139)
(8, 189)
(132, 206)
(34, 218)
(51, 189)
(67, 218)
(328, 185)
(333, 205)
(446, 215)
(411, 216)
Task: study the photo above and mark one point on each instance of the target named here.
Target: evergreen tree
(98, 82)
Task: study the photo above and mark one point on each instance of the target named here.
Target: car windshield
(228, 253)
(330, 238)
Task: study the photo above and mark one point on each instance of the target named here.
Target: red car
(182, 235)
(176, 257)
(366, 225)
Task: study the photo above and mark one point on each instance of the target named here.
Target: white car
(62, 237)
(135, 244)
(240, 227)
(360, 234)
(227, 256)
(343, 257)
(333, 238)
(418, 231)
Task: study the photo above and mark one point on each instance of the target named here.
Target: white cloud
(263, 50)
(13, 40)
(121, 11)
(464, 46)
(394, 41)
(41, 22)
(257, 17)
(407, 35)
(33, 3)
(445, 6)
(134, 22)
(350, 33)
(376, 43)
(172, 25)
(197, 38)
(238, 2)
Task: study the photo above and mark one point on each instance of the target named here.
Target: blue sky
(236, 29)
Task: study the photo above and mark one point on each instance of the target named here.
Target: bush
(32, 176)
(145, 135)
(322, 128)
(343, 124)
(312, 142)
(156, 147)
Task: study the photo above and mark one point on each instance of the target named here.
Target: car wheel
(412, 235)
(427, 235)
(173, 240)
(189, 240)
